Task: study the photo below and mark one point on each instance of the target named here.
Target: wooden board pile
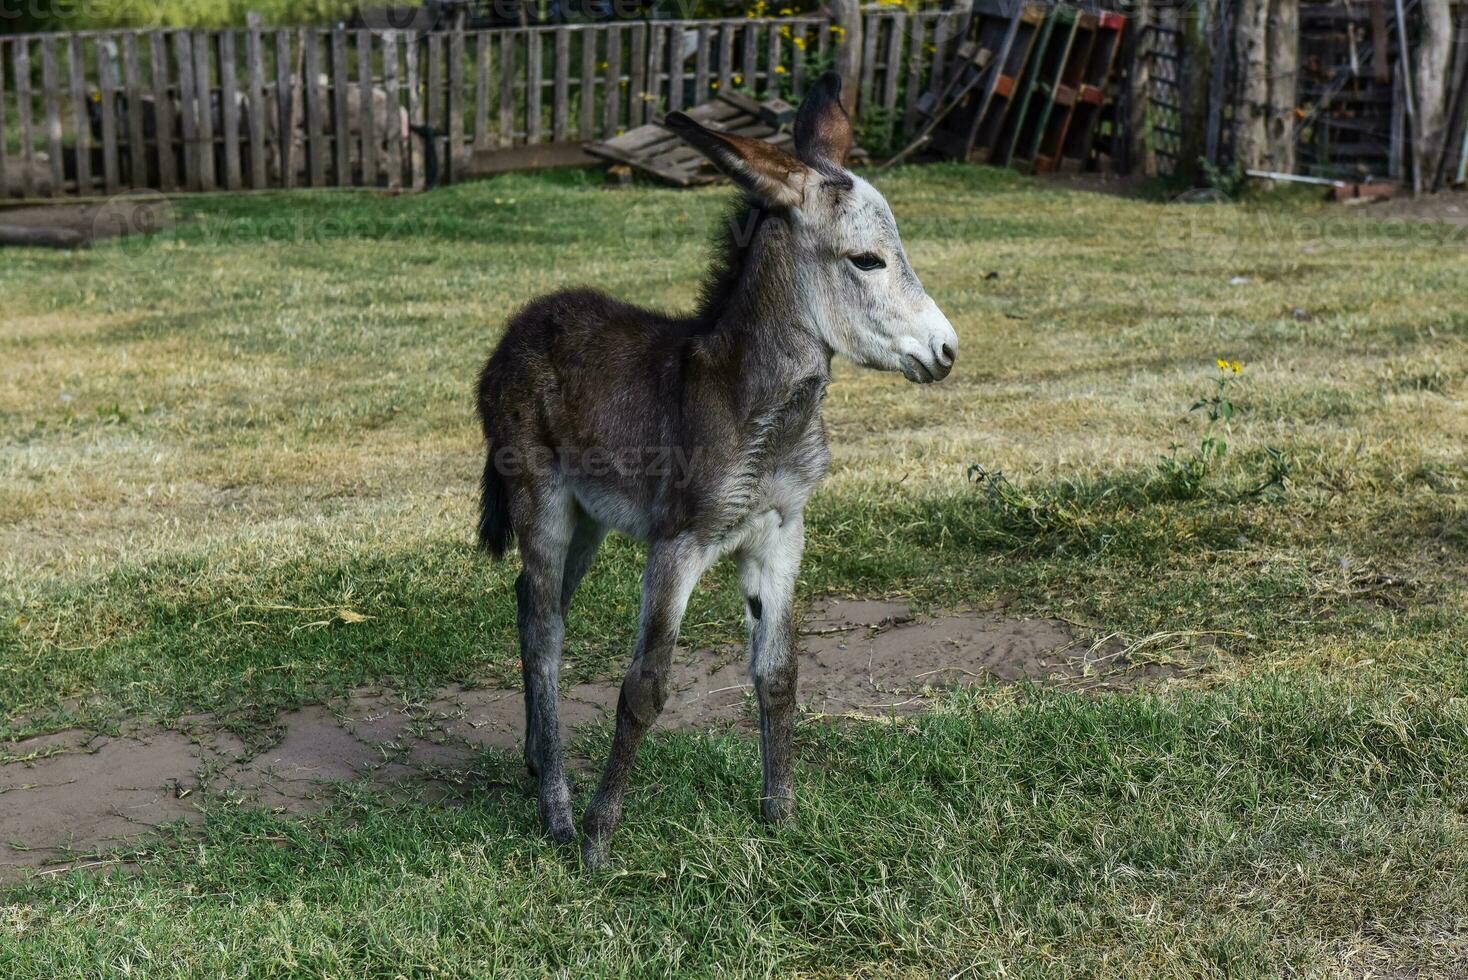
(1358, 94)
(655, 150)
(1028, 87)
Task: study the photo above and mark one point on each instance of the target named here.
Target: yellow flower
(779, 69)
(800, 42)
(838, 30)
(1235, 366)
(1222, 364)
(738, 79)
(714, 83)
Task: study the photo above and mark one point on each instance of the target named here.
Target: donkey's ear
(823, 134)
(771, 174)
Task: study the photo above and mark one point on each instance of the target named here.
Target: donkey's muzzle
(942, 352)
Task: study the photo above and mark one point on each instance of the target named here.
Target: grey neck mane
(751, 305)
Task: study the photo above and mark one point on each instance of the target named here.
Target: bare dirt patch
(68, 796)
(1446, 207)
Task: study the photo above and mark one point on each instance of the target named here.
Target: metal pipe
(1295, 178)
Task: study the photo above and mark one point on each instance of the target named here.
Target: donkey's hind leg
(585, 540)
(544, 524)
(673, 569)
(768, 563)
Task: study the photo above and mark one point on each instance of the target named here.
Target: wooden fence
(97, 113)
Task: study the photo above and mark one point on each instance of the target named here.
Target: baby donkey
(700, 434)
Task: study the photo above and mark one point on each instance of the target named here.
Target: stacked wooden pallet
(1026, 87)
(657, 151)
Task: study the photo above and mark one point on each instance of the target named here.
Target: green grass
(215, 439)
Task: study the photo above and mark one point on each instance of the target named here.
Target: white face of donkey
(862, 295)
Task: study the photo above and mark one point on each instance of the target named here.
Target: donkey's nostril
(948, 355)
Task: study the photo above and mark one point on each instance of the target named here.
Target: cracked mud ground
(67, 796)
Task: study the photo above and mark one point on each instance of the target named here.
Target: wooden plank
(587, 121)
(433, 91)
(137, 145)
(164, 119)
(412, 53)
(939, 57)
(107, 83)
(561, 98)
(701, 65)
(637, 80)
(203, 85)
(868, 61)
(255, 120)
(285, 109)
(539, 156)
(656, 54)
(4, 174)
(917, 29)
(183, 53)
(366, 109)
(393, 137)
(676, 43)
(751, 58)
(534, 84)
(341, 125)
(798, 44)
(22, 64)
(507, 89)
(315, 114)
(51, 107)
(728, 34)
(483, 72)
(894, 60)
(774, 62)
(229, 111)
(81, 120)
(611, 96)
(458, 153)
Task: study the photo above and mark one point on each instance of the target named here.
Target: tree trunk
(1431, 83)
(1284, 58)
(1251, 138)
(1139, 158)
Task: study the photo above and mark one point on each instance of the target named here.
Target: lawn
(213, 436)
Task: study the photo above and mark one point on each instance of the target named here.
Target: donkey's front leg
(768, 564)
(673, 569)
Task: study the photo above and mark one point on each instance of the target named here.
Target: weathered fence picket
(255, 72)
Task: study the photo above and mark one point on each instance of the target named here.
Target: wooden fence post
(81, 121)
(254, 55)
(846, 15)
(51, 100)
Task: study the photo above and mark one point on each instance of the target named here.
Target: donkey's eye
(866, 261)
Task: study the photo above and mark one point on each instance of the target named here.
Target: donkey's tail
(495, 531)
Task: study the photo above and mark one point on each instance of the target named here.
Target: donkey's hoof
(777, 809)
(554, 805)
(596, 852)
(558, 823)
